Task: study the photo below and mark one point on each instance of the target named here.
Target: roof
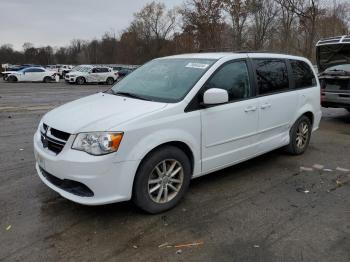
(201, 55)
(232, 55)
(344, 39)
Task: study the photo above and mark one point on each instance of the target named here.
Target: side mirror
(215, 96)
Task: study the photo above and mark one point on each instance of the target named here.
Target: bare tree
(286, 30)
(308, 12)
(204, 19)
(154, 22)
(264, 13)
(238, 11)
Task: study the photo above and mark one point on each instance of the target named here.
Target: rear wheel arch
(12, 78)
(309, 115)
(47, 79)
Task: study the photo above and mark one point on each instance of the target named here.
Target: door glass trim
(195, 103)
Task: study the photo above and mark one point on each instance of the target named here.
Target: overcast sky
(56, 22)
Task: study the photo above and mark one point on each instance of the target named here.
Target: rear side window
(303, 75)
(272, 76)
(34, 70)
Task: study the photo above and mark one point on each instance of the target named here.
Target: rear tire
(12, 79)
(162, 180)
(300, 135)
(80, 81)
(110, 81)
(47, 79)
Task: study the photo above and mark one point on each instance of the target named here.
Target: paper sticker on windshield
(197, 65)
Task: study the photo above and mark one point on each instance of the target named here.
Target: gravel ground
(272, 208)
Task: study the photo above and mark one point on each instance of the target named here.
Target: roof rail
(344, 39)
(231, 50)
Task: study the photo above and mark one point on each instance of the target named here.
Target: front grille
(53, 139)
(71, 186)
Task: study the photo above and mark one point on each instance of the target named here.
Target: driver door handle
(250, 109)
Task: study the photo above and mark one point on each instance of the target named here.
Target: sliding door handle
(266, 105)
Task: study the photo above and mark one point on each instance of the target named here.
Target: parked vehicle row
(81, 74)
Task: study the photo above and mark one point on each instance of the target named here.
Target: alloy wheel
(165, 181)
(302, 135)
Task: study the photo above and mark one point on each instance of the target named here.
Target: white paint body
(31, 76)
(218, 136)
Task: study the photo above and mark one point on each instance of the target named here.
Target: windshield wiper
(131, 95)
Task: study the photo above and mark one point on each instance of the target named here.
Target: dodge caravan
(174, 119)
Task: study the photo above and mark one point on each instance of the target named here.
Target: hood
(99, 112)
(332, 55)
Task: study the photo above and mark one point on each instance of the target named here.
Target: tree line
(287, 26)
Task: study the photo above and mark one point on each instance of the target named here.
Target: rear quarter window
(302, 74)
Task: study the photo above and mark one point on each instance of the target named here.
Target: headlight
(98, 143)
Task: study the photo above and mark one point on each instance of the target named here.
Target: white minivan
(174, 119)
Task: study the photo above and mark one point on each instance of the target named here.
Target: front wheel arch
(82, 78)
(181, 145)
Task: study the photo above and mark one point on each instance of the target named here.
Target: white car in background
(91, 74)
(31, 74)
(61, 70)
(64, 69)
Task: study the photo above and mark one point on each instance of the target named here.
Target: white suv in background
(174, 119)
(91, 74)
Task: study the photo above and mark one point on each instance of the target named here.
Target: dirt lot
(266, 209)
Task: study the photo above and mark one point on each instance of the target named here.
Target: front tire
(162, 180)
(300, 135)
(80, 80)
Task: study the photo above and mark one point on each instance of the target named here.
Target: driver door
(229, 131)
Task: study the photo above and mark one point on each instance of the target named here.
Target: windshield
(84, 69)
(345, 67)
(164, 80)
(81, 69)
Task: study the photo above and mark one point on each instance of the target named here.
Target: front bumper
(70, 79)
(109, 180)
